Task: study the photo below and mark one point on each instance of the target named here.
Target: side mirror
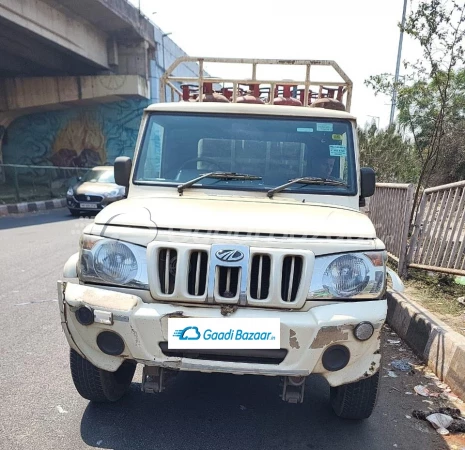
(122, 169)
(368, 182)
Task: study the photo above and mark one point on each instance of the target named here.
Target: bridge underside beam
(43, 23)
(27, 95)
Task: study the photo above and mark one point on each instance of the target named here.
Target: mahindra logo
(88, 198)
(229, 255)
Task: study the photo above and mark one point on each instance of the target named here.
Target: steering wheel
(207, 160)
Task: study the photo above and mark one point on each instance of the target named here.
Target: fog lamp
(85, 315)
(363, 331)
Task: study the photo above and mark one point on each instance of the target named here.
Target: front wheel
(357, 400)
(75, 212)
(98, 385)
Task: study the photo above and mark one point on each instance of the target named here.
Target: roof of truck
(248, 108)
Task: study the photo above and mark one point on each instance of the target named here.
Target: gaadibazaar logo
(223, 333)
(193, 334)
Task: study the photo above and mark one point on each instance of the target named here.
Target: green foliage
(393, 158)
(431, 94)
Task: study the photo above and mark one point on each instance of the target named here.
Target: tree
(428, 97)
(393, 158)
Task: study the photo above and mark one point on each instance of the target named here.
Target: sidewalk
(17, 208)
(442, 348)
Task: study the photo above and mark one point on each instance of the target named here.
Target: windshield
(180, 147)
(100, 176)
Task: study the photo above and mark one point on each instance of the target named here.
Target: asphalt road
(40, 409)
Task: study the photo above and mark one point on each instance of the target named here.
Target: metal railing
(438, 241)
(389, 210)
(23, 183)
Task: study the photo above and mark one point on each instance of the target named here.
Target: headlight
(112, 262)
(113, 193)
(352, 275)
(70, 192)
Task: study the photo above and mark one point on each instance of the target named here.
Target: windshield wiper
(305, 180)
(220, 176)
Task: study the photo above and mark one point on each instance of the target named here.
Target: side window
(153, 148)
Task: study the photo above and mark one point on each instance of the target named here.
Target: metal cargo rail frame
(168, 78)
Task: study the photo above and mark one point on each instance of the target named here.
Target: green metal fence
(26, 183)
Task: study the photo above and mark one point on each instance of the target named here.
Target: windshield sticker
(337, 150)
(337, 137)
(305, 130)
(324, 127)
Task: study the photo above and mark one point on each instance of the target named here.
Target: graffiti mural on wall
(80, 143)
(79, 137)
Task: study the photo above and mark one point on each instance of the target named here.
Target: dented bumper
(143, 327)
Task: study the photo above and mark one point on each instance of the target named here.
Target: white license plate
(89, 205)
(224, 333)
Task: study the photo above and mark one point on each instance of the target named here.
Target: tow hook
(154, 379)
(293, 389)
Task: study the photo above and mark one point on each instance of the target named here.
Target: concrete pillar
(134, 58)
(5, 120)
(113, 60)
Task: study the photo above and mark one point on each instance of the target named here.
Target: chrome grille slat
(167, 270)
(291, 279)
(197, 267)
(197, 273)
(260, 268)
(228, 279)
(292, 267)
(260, 275)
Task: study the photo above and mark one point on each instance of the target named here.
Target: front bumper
(304, 335)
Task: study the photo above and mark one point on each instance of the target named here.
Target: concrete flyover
(64, 52)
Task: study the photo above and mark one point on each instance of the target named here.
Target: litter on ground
(401, 364)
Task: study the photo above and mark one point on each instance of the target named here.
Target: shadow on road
(215, 411)
(39, 218)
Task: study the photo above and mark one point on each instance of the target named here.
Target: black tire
(75, 212)
(357, 400)
(98, 385)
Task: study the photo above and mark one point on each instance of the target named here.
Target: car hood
(94, 188)
(238, 215)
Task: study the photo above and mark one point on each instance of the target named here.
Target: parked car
(95, 190)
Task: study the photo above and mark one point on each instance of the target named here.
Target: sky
(362, 36)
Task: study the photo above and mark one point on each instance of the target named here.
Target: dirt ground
(439, 294)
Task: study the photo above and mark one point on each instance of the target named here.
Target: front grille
(228, 281)
(291, 277)
(88, 198)
(197, 276)
(270, 356)
(264, 277)
(167, 268)
(260, 277)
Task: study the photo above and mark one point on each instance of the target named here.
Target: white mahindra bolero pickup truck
(239, 248)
